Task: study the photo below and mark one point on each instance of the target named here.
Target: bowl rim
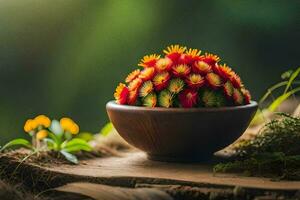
(112, 104)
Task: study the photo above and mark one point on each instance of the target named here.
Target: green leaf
(70, 157)
(75, 145)
(78, 147)
(51, 143)
(107, 129)
(85, 136)
(271, 89)
(56, 139)
(292, 78)
(282, 98)
(274, 87)
(287, 74)
(17, 142)
(74, 141)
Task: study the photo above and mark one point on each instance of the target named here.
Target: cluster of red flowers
(182, 78)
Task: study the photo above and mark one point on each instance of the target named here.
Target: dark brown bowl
(180, 134)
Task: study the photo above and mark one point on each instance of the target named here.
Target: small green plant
(275, 150)
(57, 136)
(289, 79)
(278, 93)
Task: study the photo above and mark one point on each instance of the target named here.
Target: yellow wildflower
(69, 125)
(43, 120)
(41, 134)
(30, 125)
(74, 129)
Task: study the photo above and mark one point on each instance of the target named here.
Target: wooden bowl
(180, 134)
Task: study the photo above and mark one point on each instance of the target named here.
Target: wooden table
(134, 170)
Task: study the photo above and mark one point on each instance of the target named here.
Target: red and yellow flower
(225, 72)
(181, 70)
(121, 94)
(228, 89)
(163, 64)
(247, 95)
(210, 59)
(134, 74)
(176, 85)
(161, 80)
(174, 52)
(181, 77)
(195, 81)
(213, 80)
(238, 97)
(132, 97)
(188, 98)
(149, 60)
(201, 67)
(236, 80)
(165, 99)
(146, 88)
(150, 100)
(190, 56)
(147, 74)
(135, 84)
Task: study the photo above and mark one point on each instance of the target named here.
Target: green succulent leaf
(70, 157)
(56, 128)
(276, 103)
(106, 129)
(76, 145)
(56, 141)
(17, 142)
(51, 144)
(85, 136)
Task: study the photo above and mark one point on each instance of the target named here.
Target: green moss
(274, 152)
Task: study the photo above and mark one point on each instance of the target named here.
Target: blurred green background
(65, 57)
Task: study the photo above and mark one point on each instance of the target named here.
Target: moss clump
(274, 152)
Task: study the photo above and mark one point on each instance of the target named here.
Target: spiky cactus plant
(182, 78)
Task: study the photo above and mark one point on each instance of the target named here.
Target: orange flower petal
(147, 74)
(134, 74)
(135, 84)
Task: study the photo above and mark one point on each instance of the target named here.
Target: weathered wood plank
(134, 170)
(135, 166)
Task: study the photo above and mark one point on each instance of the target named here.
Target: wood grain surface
(136, 165)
